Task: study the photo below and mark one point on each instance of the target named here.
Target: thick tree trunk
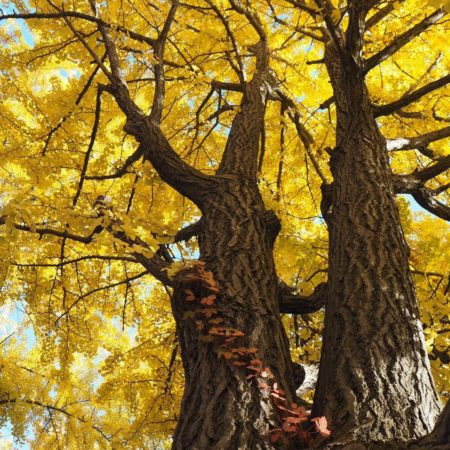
(374, 381)
(221, 409)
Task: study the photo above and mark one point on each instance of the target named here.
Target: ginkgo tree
(186, 185)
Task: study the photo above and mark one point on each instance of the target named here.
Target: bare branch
(299, 304)
(189, 231)
(303, 7)
(300, 30)
(414, 185)
(223, 85)
(77, 260)
(433, 170)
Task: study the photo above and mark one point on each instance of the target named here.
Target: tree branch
(123, 170)
(158, 98)
(189, 231)
(247, 125)
(52, 232)
(389, 108)
(90, 146)
(433, 170)
(423, 140)
(379, 15)
(51, 408)
(171, 168)
(299, 304)
(402, 40)
(101, 288)
(78, 15)
(409, 184)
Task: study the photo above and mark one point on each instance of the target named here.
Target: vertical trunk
(375, 382)
(221, 409)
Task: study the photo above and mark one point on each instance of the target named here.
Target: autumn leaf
(321, 425)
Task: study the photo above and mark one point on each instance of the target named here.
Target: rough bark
(374, 363)
(221, 409)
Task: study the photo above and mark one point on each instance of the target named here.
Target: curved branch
(424, 197)
(433, 170)
(79, 15)
(101, 288)
(406, 184)
(123, 170)
(52, 232)
(300, 304)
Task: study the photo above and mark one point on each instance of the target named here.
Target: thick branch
(299, 304)
(424, 198)
(433, 170)
(240, 156)
(171, 168)
(379, 15)
(417, 141)
(189, 231)
(407, 184)
(223, 85)
(406, 100)
(403, 39)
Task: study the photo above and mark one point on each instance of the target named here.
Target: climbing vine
(203, 296)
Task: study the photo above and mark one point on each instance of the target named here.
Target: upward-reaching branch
(241, 151)
(403, 39)
(153, 144)
(158, 99)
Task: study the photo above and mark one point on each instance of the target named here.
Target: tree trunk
(221, 409)
(374, 382)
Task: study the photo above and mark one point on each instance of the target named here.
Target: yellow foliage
(94, 361)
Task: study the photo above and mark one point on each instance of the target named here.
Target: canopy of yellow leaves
(89, 356)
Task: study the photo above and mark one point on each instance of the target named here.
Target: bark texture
(374, 361)
(221, 409)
